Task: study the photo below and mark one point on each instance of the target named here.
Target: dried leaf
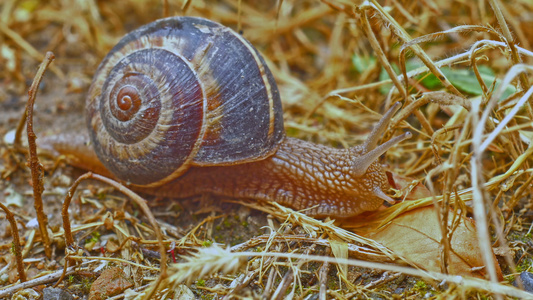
(112, 282)
(26, 294)
(416, 236)
(339, 249)
(182, 292)
(13, 198)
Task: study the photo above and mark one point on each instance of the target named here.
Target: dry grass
(333, 61)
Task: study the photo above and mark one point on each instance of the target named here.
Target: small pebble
(27, 294)
(527, 281)
(56, 294)
(9, 137)
(312, 297)
(33, 223)
(399, 291)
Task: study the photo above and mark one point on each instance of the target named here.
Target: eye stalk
(370, 151)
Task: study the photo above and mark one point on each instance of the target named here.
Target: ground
(316, 51)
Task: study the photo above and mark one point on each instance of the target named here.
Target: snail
(184, 106)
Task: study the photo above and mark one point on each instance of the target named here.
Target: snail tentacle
(378, 130)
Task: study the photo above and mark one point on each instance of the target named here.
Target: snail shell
(178, 92)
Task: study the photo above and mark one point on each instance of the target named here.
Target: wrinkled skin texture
(300, 175)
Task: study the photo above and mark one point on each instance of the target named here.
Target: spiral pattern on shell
(179, 92)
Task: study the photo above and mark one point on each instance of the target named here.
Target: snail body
(185, 106)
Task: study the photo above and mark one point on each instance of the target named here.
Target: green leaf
(465, 80)
(362, 63)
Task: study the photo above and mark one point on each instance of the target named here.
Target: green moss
(332, 285)
(70, 279)
(525, 265)
(527, 237)
(517, 236)
(95, 236)
(226, 223)
(207, 243)
(421, 287)
(86, 284)
(200, 282)
(101, 196)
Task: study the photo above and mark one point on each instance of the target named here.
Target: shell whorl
(178, 92)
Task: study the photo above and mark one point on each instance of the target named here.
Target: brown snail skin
(185, 106)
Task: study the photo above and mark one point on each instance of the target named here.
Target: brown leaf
(416, 236)
(111, 246)
(112, 282)
(368, 222)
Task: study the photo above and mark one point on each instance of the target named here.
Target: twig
(35, 282)
(479, 194)
(65, 268)
(385, 277)
(22, 43)
(16, 242)
(424, 69)
(185, 6)
(196, 267)
(139, 201)
(280, 292)
(473, 61)
(380, 54)
(495, 5)
(493, 135)
(269, 284)
(479, 145)
(323, 278)
(69, 240)
(354, 250)
(33, 161)
(242, 284)
(113, 259)
(417, 50)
